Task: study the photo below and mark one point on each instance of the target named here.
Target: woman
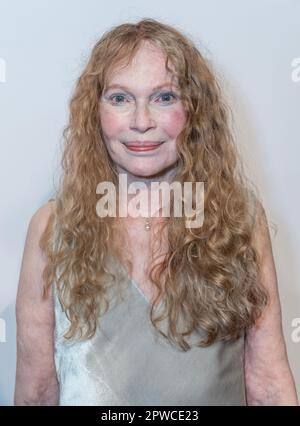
(149, 311)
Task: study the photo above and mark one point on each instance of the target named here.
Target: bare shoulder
(33, 262)
(35, 376)
(261, 234)
(40, 218)
(267, 369)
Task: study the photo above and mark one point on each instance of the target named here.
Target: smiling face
(141, 116)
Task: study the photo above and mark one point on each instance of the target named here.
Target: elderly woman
(141, 309)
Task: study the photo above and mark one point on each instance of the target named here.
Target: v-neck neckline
(134, 284)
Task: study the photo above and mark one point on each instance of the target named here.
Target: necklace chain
(147, 224)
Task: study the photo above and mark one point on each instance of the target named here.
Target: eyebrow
(126, 89)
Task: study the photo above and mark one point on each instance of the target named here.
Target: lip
(143, 146)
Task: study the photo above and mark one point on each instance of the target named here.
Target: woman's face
(141, 121)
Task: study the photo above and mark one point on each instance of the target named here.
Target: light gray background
(43, 46)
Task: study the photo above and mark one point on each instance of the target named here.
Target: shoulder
(41, 216)
(267, 370)
(35, 373)
(267, 276)
(261, 236)
(33, 261)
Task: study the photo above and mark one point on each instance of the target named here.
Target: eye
(167, 97)
(117, 99)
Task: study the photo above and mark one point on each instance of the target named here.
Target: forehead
(146, 70)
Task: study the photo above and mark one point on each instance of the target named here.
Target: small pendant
(147, 225)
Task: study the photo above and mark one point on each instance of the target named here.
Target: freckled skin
(138, 117)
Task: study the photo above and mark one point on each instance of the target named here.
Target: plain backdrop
(255, 49)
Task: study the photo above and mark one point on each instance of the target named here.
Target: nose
(142, 119)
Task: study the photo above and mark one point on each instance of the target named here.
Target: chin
(145, 173)
(153, 172)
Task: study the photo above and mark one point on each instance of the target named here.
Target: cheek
(174, 123)
(111, 123)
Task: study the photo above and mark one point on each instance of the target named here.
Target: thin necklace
(147, 224)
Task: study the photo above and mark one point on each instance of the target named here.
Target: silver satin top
(128, 362)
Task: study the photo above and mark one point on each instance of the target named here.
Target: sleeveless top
(128, 363)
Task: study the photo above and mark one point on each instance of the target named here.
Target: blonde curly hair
(211, 272)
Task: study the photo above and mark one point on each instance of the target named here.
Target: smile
(143, 148)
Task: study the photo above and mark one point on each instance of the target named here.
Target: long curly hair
(211, 272)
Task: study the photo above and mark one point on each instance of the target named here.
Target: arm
(36, 381)
(269, 380)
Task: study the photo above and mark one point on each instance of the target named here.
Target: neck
(166, 175)
(134, 182)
